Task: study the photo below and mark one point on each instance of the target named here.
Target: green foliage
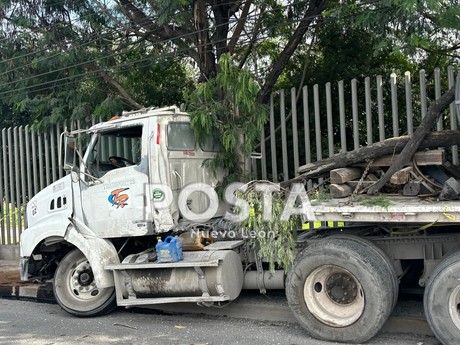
(380, 201)
(275, 239)
(225, 106)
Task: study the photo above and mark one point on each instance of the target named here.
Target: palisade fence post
(17, 180)
(368, 102)
(306, 126)
(47, 159)
(295, 134)
(330, 125)
(381, 115)
(263, 152)
(452, 112)
(437, 95)
(343, 128)
(284, 153)
(423, 99)
(40, 161)
(409, 112)
(272, 140)
(53, 155)
(394, 104)
(30, 192)
(6, 203)
(354, 109)
(59, 147)
(22, 156)
(35, 172)
(317, 109)
(12, 198)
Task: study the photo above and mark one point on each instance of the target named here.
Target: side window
(181, 137)
(115, 149)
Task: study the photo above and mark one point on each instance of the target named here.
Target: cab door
(116, 174)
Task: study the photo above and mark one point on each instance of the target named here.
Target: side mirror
(70, 152)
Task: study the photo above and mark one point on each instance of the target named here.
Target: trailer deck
(387, 209)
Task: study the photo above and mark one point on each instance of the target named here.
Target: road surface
(26, 323)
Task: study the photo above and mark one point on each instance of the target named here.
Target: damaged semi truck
(94, 232)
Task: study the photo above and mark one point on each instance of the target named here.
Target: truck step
(191, 259)
(166, 300)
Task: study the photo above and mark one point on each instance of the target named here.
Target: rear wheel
(340, 290)
(75, 288)
(442, 300)
(385, 259)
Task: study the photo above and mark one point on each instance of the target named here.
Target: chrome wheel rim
(334, 296)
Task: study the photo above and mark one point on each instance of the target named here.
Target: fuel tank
(224, 279)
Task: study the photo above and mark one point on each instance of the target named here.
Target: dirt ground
(9, 273)
(9, 278)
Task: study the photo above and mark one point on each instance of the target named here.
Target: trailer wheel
(441, 300)
(340, 290)
(76, 291)
(378, 252)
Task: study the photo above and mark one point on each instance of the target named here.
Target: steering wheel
(119, 162)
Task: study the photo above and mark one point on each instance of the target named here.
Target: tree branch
(239, 26)
(114, 83)
(316, 8)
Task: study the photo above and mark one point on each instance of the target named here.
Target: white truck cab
(106, 200)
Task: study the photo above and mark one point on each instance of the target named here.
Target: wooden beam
(340, 190)
(402, 176)
(343, 175)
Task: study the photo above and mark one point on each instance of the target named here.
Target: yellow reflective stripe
(318, 224)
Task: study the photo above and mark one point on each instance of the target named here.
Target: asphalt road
(26, 323)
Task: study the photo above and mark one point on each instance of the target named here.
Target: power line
(130, 63)
(98, 35)
(158, 43)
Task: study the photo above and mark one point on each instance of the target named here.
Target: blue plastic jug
(170, 250)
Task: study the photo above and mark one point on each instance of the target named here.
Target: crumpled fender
(99, 252)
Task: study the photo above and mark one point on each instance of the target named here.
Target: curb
(30, 292)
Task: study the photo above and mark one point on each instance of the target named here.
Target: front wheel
(340, 290)
(75, 288)
(441, 300)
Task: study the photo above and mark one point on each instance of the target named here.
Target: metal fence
(319, 121)
(304, 126)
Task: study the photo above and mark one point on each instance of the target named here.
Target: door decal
(117, 199)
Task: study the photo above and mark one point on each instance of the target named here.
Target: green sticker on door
(157, 194)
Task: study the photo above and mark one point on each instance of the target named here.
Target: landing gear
(75, 288)
(342, 289)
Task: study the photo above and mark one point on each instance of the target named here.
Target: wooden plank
(353, 184)
(401, 176)
(340, 190)
(343, 175)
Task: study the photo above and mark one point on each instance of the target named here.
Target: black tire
(378, 252)
(441, 300)
(340, 290)
(76, 291)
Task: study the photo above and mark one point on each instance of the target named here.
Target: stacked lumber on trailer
(409, 181)
(403, 173)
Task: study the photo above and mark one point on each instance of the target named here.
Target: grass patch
(374, 201)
